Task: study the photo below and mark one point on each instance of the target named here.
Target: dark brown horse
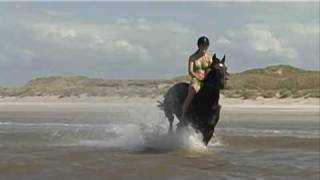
(204, 110)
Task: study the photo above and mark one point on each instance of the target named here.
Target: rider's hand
(201, 77)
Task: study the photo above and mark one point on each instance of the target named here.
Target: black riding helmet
(203, 40)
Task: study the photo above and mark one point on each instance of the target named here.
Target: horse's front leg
(210, 131)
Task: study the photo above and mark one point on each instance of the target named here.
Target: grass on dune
(279, 81)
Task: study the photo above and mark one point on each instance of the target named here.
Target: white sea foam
(141, 138)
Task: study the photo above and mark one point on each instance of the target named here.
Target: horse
(203, 113)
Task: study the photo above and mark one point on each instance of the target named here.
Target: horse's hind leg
(170, 119)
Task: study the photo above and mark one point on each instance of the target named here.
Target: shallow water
(130, 141)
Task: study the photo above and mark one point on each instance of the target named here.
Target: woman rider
(198, 67)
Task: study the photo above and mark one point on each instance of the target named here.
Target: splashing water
(150, 138)
(118, 128)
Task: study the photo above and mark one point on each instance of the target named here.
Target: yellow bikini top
(201, 63)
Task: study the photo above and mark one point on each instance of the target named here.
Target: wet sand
(127, 139)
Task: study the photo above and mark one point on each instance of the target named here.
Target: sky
(151, 40)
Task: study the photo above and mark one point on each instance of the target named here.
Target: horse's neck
(208, 96)
(214, 95)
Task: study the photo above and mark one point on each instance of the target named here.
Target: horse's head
(218, 73)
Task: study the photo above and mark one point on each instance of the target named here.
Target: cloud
(54, 31)
(223, 40)
(151, 40)
(305, 29)
(126, 35)
(254, 45)
(263, 40)
(122, 48)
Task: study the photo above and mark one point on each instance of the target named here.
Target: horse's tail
(160, 105)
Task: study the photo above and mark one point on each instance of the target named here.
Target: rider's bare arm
(210, 62)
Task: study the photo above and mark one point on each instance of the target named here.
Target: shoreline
(229, 103)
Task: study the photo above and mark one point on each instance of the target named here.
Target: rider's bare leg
(192, 90)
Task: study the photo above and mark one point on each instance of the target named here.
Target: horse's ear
(214, 57)
(223, 59)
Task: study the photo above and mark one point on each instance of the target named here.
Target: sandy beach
(309, 104)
